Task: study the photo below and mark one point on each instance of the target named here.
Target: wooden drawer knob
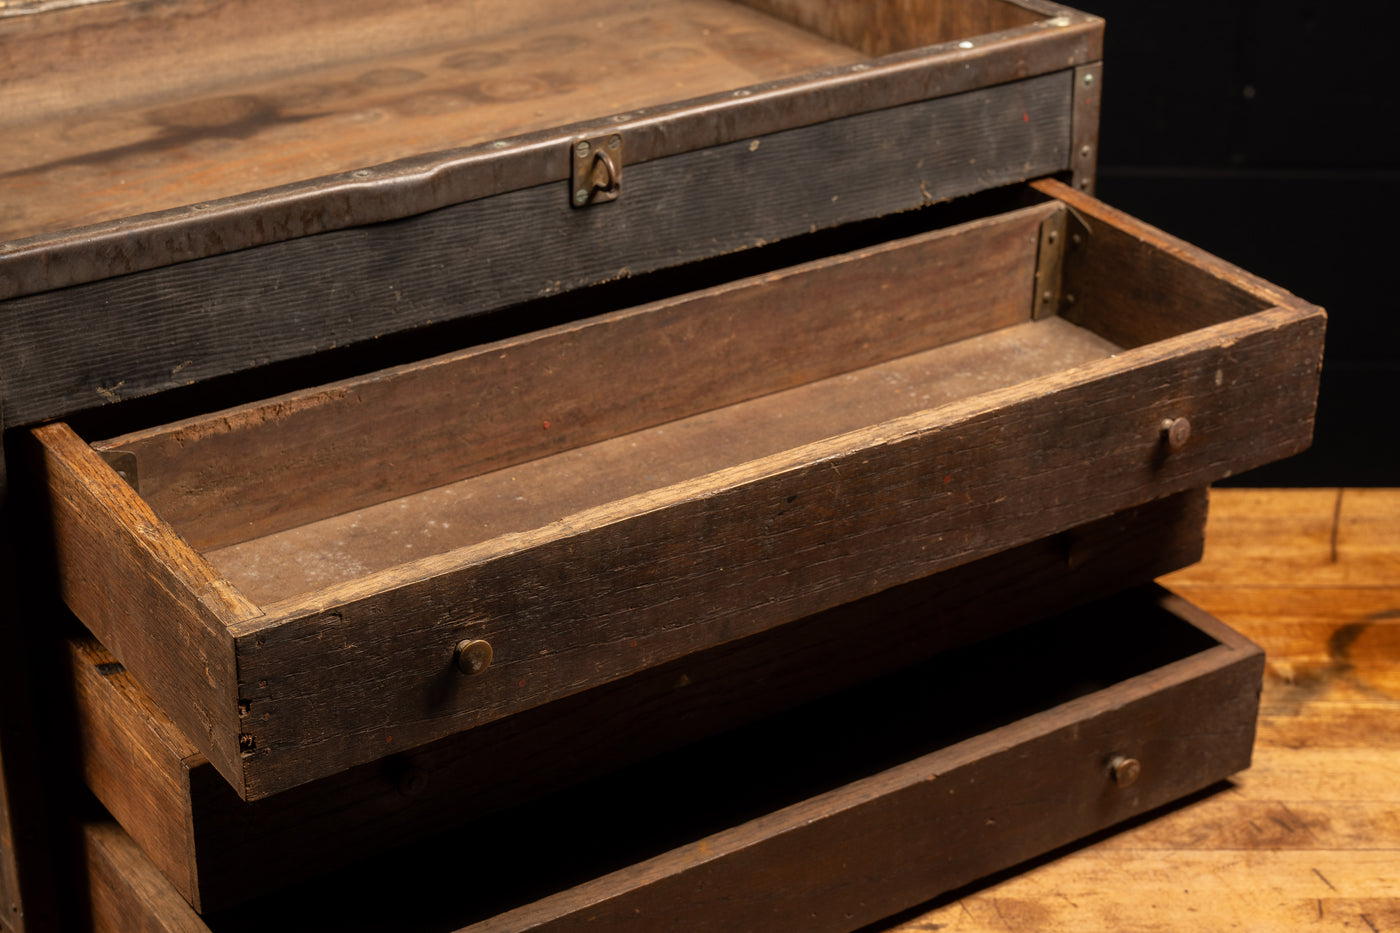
(473, 656)
(1124, 771)
(1177, 431)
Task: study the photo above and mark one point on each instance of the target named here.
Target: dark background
(1267, 132)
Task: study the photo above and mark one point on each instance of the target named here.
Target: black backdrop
(1267, 132)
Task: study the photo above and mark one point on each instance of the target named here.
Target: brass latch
(597, 170)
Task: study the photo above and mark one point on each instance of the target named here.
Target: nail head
(473, 656)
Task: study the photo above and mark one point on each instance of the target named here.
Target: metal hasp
(597, 175)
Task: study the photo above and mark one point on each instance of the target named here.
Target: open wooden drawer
(218, 850)
(869, 803)
(325, 578)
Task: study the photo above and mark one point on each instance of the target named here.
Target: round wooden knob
(1177, 432)
(473, 656)
(1124, 771)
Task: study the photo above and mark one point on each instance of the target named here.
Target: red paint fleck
(947, 479)
(1025, 117)
(522, 682)
(546, 425)
(388, 738)
(634, 643)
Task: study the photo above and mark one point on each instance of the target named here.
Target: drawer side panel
(157, 605)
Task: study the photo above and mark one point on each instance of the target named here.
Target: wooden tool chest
(478, 418)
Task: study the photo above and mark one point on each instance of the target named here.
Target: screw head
(1124, 771)
(580, 196)
(1084, 152)
(1089, 80)
(1177, 432)
(614, 141)
(1053, 236)
(582, 150)
(1045, 296)
(473, 656)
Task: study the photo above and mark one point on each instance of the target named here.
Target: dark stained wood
(146, 594)
(594, 589)
(832, 522)
(124, 892)
(1135, 284)
(217, 315)
(937, 822)
(282, 463)
(218, 850)
(883, 26)
(556, 488)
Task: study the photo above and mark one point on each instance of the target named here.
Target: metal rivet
(1177, 432)
(580, 196)
(362, 173)
(473, 656)
(1084, 184)
(614, 141)
(1088, 80)
(1046, 296)
(1069, 299)
(1053, 236)
(1084, 152)
(499, 144)
(1124, 771)
(582, 150)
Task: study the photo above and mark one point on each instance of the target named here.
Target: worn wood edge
(96, 486)
(277, 425)
(831, 449)
(180, 644)
(125, 893)
(400, 189)
(1227, 273)
(580, 905)
(1127, 548)
(136, 761)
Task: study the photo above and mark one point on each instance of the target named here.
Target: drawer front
(1163, 703)
(1016, 425)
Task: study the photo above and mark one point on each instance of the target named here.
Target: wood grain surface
(1309, 837)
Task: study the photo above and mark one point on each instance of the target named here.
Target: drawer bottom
(826, 818)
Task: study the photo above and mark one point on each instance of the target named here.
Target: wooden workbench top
(1309, 837)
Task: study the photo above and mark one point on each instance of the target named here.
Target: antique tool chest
(457, 419)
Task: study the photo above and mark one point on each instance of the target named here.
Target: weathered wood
(832, 522)
(1307, 838)
(1134, 284)
(124, 892)
(592, 589)
(937, 822)
(265, 467)
(218, 315)
(146, 594)
(218, 850)
(524, 498)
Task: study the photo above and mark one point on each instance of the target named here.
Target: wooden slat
(218, 850)
(530, 496)
(124, 892)
(151, 599)
(92, 343)
(243, 473)
(827, 524)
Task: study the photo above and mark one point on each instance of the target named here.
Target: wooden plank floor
(1309, 837)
